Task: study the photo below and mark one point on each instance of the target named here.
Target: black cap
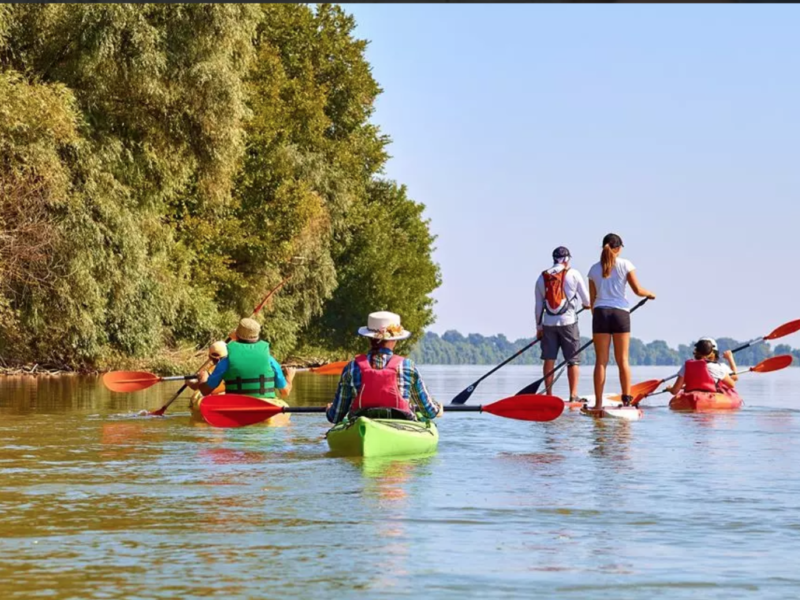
(561, 252)
(613, 240)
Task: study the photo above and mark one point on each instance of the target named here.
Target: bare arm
(676, 386)
(637, 289)
(284, 392)
(729, 381)
(592, 294)
(728, 356)
(583, 294)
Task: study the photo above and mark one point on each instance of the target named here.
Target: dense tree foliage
(452, 348)
(163, 166)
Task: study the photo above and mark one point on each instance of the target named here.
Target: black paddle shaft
(534, 387)
(464, 395)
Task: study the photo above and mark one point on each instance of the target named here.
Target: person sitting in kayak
(249, 368)
(382, 384)
(703, 373)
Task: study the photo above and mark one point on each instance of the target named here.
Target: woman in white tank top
(611, 320)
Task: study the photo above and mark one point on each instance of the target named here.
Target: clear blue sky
(525, 127)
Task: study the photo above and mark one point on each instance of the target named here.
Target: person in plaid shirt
(382, 384)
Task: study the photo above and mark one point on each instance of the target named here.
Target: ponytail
(608, 259)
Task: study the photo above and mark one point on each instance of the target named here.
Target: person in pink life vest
(382, 384)
(703, 373)
(558, 291)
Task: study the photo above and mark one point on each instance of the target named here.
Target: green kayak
(383, 437)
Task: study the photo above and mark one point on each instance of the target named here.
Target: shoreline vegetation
(453, 348)
(163, 166)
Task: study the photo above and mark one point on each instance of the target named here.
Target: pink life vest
(379, 387)
(697, 378)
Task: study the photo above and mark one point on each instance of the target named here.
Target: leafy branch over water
(162, 164)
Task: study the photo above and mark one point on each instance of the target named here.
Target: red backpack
(555, 300)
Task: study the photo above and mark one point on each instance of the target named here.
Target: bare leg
(548, 382)
(572, 374)
(602, 343)
(621, 344)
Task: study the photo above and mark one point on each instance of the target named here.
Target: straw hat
(218, 350)
(384, 326)
(248, 330)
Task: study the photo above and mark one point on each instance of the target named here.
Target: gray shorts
(566, 337)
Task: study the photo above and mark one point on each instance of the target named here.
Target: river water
(96, 502)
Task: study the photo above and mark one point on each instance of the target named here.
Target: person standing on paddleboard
(611, 319)
(558, 290)
(248, 368)
(382, 384)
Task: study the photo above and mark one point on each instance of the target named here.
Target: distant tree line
(453, 348)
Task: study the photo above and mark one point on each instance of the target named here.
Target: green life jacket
(250, 370)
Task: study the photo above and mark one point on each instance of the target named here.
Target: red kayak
(727, 399)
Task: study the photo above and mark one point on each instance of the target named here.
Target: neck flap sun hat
(218, 350)
(385, 326)
(248, 330)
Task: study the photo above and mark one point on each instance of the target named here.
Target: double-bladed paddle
(236, 410)
(533, 388)
(134, 381)
(649, 386)
(774, 363)
(206, 364)
(464, 395)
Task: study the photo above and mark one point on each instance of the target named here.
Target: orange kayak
(728, 399)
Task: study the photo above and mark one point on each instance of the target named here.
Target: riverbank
(167, 363)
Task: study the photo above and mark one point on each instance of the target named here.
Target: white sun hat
(384, 325)
(709, 339)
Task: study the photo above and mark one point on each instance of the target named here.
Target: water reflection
(611, 439)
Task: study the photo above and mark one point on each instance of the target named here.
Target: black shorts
(611, 320)
(565, 337)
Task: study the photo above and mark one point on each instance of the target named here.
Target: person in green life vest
(248, 369)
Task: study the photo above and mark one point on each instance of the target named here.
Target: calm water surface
(96, 502)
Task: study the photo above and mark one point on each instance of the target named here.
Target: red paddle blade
(773, 364)
(129, 381)
(232, 410)
(527, 407)
(783, 330)
(334, 368)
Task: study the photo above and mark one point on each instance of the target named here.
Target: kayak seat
(383, 413)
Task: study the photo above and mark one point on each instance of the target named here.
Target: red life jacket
(379, 387)
(555, 300)
(696, 377)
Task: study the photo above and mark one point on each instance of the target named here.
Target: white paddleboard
(627, 413)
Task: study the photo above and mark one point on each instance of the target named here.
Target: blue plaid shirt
(411, 386)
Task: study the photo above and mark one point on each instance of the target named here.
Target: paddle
(533, 388)
(257, 310)
(464, 395)
(774, 363)
(236, 410)
(649, 386)
(134, 381)
(782, 331)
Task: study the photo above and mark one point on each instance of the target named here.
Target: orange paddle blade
(784, 330)
(773, 364)
(334, 368)
(129, 381)
(526, 407)
(234, 410)
(645, 387)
